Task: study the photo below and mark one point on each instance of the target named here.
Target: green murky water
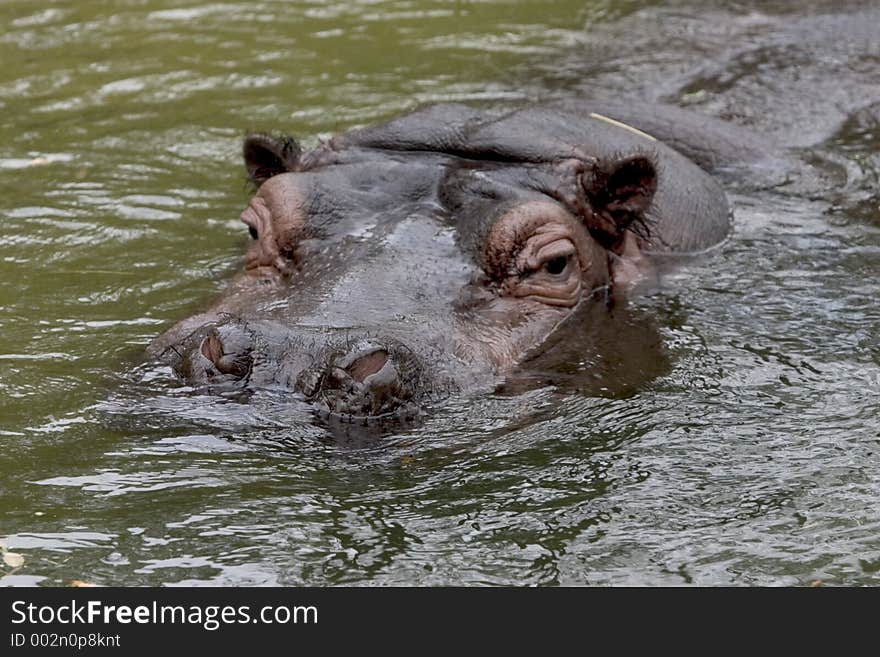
(753, 459)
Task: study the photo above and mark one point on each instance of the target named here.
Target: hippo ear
(620, 193)
(266, 156)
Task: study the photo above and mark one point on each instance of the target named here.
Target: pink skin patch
(367, 365)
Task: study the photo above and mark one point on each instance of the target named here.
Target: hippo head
(440, 250)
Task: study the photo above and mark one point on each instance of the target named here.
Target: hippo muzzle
(345, 378)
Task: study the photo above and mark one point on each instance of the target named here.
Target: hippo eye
(557, 265)
(253, 232)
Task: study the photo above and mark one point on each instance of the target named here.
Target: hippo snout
(348, 379)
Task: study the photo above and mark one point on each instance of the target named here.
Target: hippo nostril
(382, 386)
(212, 348)
(386, 378)
(367, 365)
(364, 382)
(234, 362)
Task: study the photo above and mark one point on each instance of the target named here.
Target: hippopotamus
(448, 248)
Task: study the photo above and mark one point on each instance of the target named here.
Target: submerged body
(443, 249)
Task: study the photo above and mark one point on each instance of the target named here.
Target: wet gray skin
(449, 249)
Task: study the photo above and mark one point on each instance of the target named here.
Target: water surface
(751, 457)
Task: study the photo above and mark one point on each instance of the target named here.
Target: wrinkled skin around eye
(540, 252)
(540, 263)
(547, 269)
